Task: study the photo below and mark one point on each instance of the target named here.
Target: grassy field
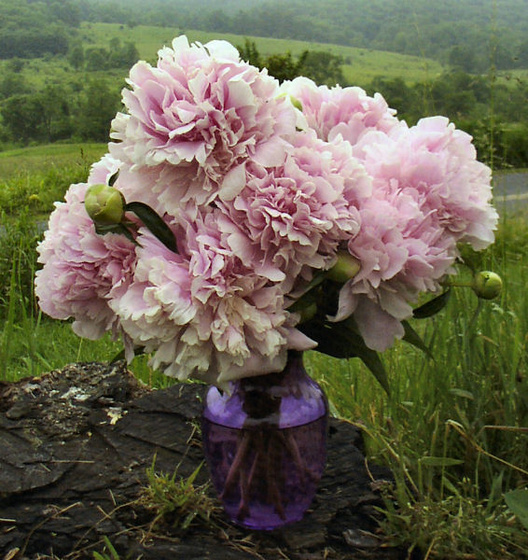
(361, 65)
(34, 178)
(40, 159)
(453, 430)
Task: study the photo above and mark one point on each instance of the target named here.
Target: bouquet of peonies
(235, 218)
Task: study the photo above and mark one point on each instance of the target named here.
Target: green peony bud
(487, 285)
(345, 268)
(104, 204)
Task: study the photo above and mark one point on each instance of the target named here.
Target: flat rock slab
(75, 446)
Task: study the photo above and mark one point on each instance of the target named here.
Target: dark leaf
(517, 501)
(113, 179)
(121, 354)
(372, 360)
(412, 337)
(154, 223)
(120, 229)
(433, 306)
(341, 340)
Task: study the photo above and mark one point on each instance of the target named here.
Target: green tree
(76, 57)
(463, 58)
(67, 12)
(522, 54)
(22, 118)
(249, 52)
(56, 124)
(284, 66)
(96, 58)
(130, 54)
(12, 83)
(515, 145)
(122, 56)
(97, 107)
(280, 66)
(398, 95)
(323, 68)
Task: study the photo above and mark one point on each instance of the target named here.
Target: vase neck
(293, 369)
(284, 399)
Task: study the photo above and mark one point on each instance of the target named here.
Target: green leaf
(412, 337)
(305, 301)
(120, 229)
(194, 474)
(341, 340)
(372, 360)
(154, 223)
(517, 501)
(433, 306)
(462, 393)
(440, 461)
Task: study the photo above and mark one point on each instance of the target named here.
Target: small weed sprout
(112, 552)
(177, 500)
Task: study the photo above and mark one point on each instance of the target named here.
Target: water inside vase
(266, 476)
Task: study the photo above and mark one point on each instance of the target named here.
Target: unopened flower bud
(344, 269)
(487, 285)
(104, 204)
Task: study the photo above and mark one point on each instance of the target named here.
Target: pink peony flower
(430, 193)
(290, 220)
(203, 312)
(102, 170)
(260, 198)
(82, 270)
(204, 112)
(341, 112)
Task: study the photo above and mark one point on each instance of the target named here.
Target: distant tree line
(467, 35)
(28, 43)
(495, 115)
(82, 107)
(33, 29)
(98, 58)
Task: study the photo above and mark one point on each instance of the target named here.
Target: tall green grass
(32, 179)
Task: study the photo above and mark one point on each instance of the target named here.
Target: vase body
(265, 445)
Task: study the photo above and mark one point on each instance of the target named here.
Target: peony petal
(233, 183)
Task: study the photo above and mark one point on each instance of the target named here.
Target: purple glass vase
(265, 445)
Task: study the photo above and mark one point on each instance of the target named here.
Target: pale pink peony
(204, 112)
(341, 112)
(435, 164)
(102, 171)
(430, 193)
(203, 313)
(290, 220)
(82, 270)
